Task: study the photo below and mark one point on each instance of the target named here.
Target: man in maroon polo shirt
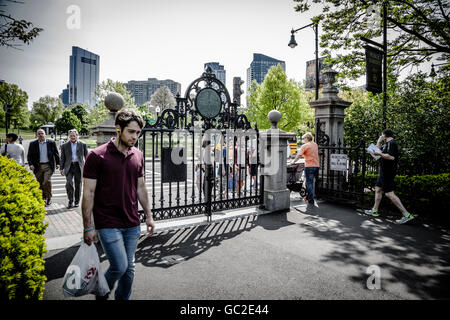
(113, 183)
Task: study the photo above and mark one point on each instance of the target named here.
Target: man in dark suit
(42, 157)
(73, 154)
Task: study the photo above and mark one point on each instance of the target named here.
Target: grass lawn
(26, 134)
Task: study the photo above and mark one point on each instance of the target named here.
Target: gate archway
(201, 156)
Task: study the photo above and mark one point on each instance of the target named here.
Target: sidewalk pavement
(324, 252)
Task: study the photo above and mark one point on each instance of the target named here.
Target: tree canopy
(67, 122)
(418, 31)
(163, 98)
(417, 113)
(12, 94)
(279, 93)
(15, 32)
(47, 109)
(99, 113)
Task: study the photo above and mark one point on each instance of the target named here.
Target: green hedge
(22, 244)
(427, 195)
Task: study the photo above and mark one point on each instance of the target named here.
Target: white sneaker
(372, 212)
(405, 219)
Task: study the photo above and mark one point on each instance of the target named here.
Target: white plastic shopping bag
(84, 275)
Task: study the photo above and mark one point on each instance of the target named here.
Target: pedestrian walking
(113, 184)
(73, 154)
(61, 142)
(310, 151)
(252, 162)
(385, 182)
(42, 158)
(20, 139)
(12, 150)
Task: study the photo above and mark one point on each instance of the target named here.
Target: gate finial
(274, 117)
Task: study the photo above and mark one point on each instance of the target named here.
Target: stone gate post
(274, 161)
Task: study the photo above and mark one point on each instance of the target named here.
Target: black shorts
(253, 169)
(386, 183)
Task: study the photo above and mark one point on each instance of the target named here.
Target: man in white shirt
(13, 150)
(73, 154)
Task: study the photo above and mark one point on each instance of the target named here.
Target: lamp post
(157, 109)
(433, 72)
(384, 50)
(293, 44)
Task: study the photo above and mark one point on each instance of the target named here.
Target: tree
(11, 94)
(13, 31)
(81, 113)
(418, 115)
(67, 122)
(99, 113)
(417, 31)
(279, 93)
(47, 109)
(163, 98)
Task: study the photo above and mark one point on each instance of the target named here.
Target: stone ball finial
(114, 101)
(274, 117)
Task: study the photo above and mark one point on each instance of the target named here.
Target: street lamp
(293, 44)
(433, 72)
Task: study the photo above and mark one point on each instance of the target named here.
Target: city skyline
(161, 39)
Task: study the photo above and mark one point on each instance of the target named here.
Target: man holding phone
(385, 182)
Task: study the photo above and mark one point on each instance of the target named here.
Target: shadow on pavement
(57, 262)
(172, 247)
(417, 257)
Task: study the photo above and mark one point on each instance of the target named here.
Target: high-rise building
(83, 76)
(218, 70)
(260, 66)
(64, 96)
(142, 91)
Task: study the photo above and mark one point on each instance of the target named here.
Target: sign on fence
(338, 162)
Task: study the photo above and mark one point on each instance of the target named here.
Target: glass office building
(83, 76)
(218, 70)
(260, 66)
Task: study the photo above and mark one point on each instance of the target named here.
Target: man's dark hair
(12, 135)
(388, 133)
(125, 116)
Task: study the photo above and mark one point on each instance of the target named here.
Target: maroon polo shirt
(115, 202)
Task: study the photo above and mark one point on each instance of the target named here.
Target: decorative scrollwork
(168, 119)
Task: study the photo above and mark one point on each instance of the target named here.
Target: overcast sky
(164, 39)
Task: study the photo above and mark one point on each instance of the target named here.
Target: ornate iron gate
(202, 155)
(342, 169)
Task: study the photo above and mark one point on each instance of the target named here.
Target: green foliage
(13, 31)
(67, 121)
(417, 31)
(80, 111)
(417, 112)
(46, 110)
(22, 227)
(425, 195)
(11, 94)
(99, 113)
(279, 93)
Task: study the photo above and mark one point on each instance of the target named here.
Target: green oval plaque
(208, 103)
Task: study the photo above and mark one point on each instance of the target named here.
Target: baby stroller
(295, 178)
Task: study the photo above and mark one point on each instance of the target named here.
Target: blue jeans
(310, 173)
(120, 246)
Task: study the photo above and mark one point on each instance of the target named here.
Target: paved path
(318, 253)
